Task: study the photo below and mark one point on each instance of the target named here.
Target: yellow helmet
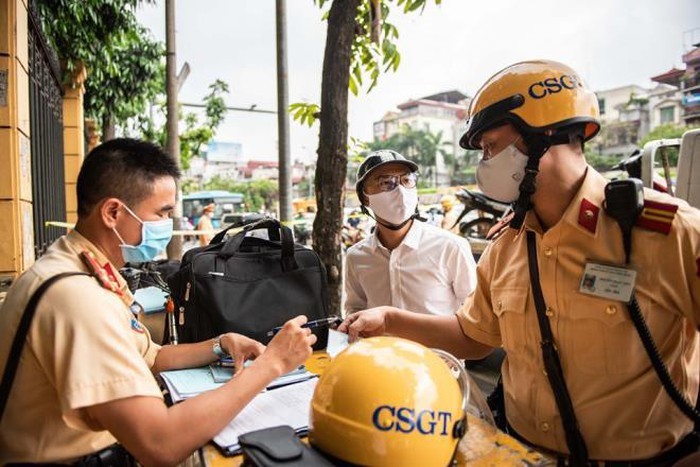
(448, 202)
(389, 401)
(538, 96)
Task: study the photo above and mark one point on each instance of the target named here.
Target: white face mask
(499, 177)
(394, 206)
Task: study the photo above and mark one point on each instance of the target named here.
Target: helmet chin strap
(536, 146)
(416, 215)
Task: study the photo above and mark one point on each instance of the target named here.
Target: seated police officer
(619, 409)
(85, 376)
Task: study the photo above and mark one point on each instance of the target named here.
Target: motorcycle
(490, 212)
(302, 232)
(351, 235)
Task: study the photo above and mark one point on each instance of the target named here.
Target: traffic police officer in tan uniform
(85, 376)
(542, 108)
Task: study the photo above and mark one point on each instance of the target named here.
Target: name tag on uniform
(605, 281)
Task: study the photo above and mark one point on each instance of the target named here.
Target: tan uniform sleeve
(476, 316)
(84, 338)
(688, 224)
(152, 349)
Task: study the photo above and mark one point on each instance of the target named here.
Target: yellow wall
(73, 140)
(16, 225)
(16, 229)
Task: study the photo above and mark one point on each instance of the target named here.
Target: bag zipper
(181, 318)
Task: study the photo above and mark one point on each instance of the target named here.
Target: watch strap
(217, 349)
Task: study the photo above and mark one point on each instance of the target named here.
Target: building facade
(665, 106)
(624, 114)
(687, 81)
(441, 113)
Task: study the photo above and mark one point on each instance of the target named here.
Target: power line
(235, 109)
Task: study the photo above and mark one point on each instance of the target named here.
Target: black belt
(686, 446)
(112, 456)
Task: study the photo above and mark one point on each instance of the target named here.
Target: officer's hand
(366, 323)
(291, 346)
(241, 348)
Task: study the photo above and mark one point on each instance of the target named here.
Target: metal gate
(46, 128)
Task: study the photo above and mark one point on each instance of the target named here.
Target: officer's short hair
(123, 168)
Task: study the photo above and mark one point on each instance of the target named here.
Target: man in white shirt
(404, 263)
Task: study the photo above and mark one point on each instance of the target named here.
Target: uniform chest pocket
(509, 305)
(600, 337)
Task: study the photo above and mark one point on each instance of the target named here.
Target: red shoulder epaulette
(657, 217)
(499, 227)
(100, 273)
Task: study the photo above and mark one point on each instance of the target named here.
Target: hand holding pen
(317, 323)
(290, 347)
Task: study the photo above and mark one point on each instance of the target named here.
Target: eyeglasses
(389, 182)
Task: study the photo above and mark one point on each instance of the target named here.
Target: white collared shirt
(432, 271)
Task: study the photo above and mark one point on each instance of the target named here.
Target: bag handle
(233, 245)
(273, 231)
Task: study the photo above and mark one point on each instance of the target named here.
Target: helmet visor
(489, 117)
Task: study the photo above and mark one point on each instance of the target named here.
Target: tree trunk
(332, 164)
(107, 128)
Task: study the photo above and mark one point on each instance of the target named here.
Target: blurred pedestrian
(204, 224)
(451, 212)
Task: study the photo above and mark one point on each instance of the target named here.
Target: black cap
(377, 159)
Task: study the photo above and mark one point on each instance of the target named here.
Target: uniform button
(611, 310)
(549, 311)
(588, 214)
(548, 251)
(544, 371)
(499, 305)
(544, 426)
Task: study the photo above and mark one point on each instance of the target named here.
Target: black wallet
(278, 446)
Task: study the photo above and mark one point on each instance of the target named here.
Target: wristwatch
(217, 349)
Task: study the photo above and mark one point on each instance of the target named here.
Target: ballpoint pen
(224, 363)
(311, 324)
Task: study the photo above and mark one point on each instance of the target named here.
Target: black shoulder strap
(578, 451)
(21, 335)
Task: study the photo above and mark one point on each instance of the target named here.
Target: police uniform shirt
(84, 348)
(621, 407)
(431, 271)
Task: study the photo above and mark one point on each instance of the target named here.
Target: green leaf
(303, 112)
(353, 85)
(397, 61)
(357, 73)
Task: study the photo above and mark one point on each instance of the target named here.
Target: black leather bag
(248, 285)
(278, 446)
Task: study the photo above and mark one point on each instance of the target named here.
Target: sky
(456, 45)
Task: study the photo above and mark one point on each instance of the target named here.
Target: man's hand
(241, 348)
(366, 323)
(291, 346)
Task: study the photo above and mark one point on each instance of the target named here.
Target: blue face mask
(155, 236)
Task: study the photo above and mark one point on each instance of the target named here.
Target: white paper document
(183, 384)
(337, 342)
(288, 405)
